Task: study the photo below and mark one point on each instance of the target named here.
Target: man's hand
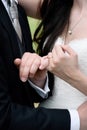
(82, 110)
(29, 68)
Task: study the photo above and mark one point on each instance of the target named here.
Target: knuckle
(55, 62)
(35, 54)
(26, 53)
(37, 62)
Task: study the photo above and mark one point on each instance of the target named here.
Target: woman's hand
(29, 68)
(63, 62)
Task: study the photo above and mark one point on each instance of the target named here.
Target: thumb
(17, 62)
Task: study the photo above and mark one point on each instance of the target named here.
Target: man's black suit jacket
(16, 98)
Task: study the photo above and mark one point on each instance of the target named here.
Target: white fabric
(5, 4)
(75, 121)
(42, 92)
(64, 95)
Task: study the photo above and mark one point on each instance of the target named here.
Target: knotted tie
(13, 13)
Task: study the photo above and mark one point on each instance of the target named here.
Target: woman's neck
(80, 4)
(78, 18)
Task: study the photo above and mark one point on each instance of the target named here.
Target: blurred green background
(33, 24)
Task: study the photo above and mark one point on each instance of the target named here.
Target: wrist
(79, 81)
(39, 82)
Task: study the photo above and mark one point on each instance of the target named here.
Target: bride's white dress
(64, 95)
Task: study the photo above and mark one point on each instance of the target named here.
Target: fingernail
(23, 79)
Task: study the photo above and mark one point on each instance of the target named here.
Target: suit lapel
(25, 29)
(6, 22)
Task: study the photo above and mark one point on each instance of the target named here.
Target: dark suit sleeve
(14, 116)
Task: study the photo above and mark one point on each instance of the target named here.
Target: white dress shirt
(75, 121)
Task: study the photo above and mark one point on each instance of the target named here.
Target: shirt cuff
(75, 120)
(42, 92)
